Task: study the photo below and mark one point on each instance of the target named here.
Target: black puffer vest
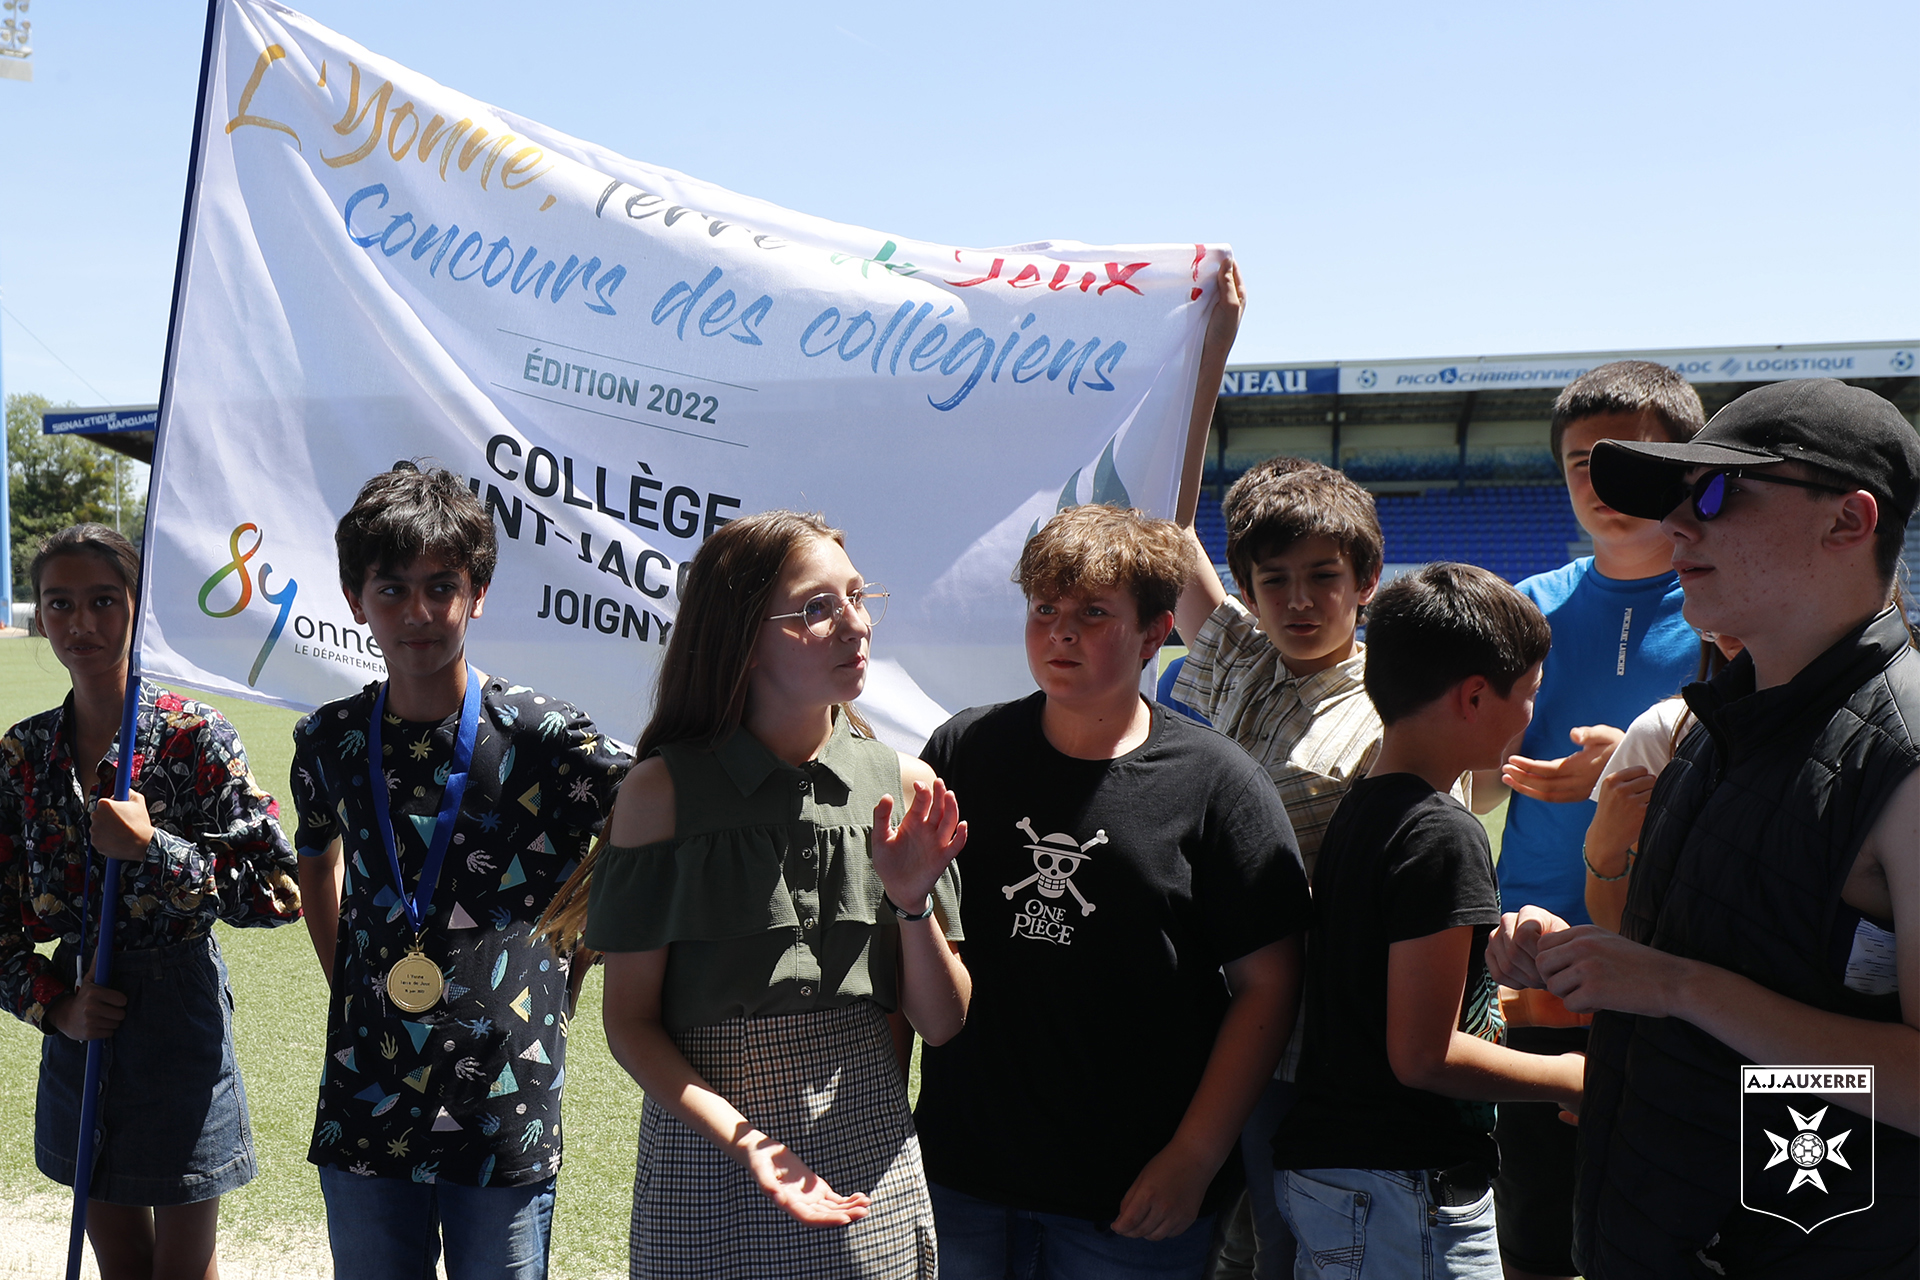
(1749, 838)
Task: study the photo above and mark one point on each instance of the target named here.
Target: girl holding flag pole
(197, 841)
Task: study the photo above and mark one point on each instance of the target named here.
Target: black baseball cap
(1846, 430)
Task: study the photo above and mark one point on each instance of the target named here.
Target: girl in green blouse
(761, 916)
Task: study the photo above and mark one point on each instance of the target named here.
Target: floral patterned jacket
(218, 851)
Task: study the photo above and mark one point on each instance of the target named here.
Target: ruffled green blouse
(766, 892)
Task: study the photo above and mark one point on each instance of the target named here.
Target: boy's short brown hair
(1085, 551)
(1282, 500)
(406, 513)
(1433, 628)
(1628, 387)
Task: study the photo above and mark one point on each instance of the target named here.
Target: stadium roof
(1494, 402)
(1718, 365)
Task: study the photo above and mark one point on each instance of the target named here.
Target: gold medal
(414, 983)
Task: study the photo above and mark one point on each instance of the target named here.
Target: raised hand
(909, 858)
(804, 1194)
(1570, 778)
(1223, 323)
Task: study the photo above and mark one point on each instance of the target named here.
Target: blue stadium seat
(1212, 528)
(1513, 530)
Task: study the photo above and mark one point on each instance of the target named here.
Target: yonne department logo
(237, 564)
(1804, 1158)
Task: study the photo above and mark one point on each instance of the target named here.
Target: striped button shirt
(1313, 734)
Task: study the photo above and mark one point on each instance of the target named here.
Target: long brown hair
(700, 696)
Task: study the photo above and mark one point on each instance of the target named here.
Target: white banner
(619, 358)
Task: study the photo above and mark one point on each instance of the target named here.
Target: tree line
(55, 481)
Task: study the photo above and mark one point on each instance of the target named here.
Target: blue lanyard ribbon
(456, 790)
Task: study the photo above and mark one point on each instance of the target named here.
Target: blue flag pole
(102, 972)
(130, 703)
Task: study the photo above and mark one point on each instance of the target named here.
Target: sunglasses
(1708, 494)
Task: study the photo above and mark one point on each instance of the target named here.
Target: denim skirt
(171, 1125)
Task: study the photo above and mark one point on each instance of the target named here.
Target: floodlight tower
(16, 48)
(16, 63)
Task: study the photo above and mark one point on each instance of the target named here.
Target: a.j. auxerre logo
(1802, 1157)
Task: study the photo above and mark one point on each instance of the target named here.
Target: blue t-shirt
(1618, 648)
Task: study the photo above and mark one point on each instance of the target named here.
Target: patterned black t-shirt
(468, 1091)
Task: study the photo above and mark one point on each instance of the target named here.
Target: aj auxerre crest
(1802, 1158)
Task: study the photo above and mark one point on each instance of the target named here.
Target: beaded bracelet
(1595, 871)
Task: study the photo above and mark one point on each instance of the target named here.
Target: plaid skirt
(827, 1085)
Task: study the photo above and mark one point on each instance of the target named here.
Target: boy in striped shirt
(1280, 671)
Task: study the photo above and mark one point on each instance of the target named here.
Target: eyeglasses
(1709, 492)
(822, 612)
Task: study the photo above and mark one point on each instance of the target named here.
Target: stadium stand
(1212, 527)
(1513, 530)
(1456, 451)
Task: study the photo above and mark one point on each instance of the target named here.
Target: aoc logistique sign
(618, 359)
(1510, 373)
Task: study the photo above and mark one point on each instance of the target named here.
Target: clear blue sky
(1396, 179)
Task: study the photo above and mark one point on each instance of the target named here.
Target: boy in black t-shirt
(1119, 858)
(439, 1108)
(1402, 1057)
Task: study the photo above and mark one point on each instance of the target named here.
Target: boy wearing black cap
(1619, 646)
(1779, 869)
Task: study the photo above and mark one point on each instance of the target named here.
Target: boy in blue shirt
(439, 1107)
(1619, 646)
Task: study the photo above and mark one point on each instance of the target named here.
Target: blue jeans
(387, 1229)
(984, 1241)
(1273, 1259)
(1382, 1224)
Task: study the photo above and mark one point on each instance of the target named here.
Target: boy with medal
(438, 812)
(414, 982)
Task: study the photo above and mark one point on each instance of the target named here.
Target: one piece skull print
(1055, 859)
